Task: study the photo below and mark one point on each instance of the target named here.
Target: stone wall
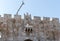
(36, 29)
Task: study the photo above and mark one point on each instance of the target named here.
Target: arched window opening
(28, 40)
(28, 30)
(31, 30)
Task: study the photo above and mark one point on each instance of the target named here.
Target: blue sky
(47, 8)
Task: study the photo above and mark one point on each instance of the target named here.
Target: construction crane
(19, 8)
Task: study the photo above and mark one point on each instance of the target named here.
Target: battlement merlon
(37, 18)
(7, 15)
(46, 18)
(55, 20)
(17, 16)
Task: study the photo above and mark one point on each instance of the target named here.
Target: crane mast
(19, 8)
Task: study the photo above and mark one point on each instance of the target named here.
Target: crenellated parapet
(28, 17)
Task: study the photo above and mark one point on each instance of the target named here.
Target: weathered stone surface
(22, 29)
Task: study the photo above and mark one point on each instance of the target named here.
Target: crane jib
(20, 7)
